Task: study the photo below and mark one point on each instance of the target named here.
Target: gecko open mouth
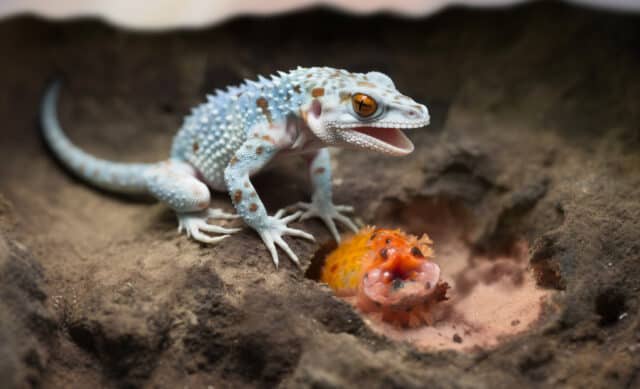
(389, 139)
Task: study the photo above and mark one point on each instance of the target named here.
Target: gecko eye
(364, 105)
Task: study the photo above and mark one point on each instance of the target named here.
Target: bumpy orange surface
(342, 269)
(345, 266)
(389, 272)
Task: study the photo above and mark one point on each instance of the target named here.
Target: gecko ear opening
(316, 108)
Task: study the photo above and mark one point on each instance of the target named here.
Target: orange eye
(364, 105)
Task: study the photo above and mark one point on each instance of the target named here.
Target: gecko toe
(195, 225)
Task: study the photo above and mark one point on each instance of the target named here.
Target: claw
(344, 208)
(195, 224)
(217, 229)
(215, 213)
(305, 216)
(284, 246)
(271, 247)
(300, 234)
(348, 222)
(332, 227)
(327, 212)
(200, 237)
(291, 217)
(276, 229)
(302, 205)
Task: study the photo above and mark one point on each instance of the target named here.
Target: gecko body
(233, 135)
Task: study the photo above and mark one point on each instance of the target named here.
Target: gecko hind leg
(175, 183)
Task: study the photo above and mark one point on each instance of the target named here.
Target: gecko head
(363, 111)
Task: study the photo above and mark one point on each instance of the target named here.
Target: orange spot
(237, 196)
(317, 92)
(195, 147)
(367, 84)
(263, 104)
(253, 207)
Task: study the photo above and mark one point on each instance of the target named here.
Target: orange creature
(389, 273)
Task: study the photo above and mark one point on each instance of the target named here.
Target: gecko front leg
(250, 158)
(174, 183)
(321, 204)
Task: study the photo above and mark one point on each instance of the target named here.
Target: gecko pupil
(364, 105)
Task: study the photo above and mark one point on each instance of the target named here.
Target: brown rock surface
(535, 134)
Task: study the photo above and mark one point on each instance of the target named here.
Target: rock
(27, 327)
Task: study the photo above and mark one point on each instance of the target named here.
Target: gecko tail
(127, 178)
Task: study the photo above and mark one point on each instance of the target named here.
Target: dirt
(535, 138)
(494, 294)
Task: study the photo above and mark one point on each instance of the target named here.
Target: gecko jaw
(390, 141)
(385, 137)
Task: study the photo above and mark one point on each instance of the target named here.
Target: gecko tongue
(389, 136)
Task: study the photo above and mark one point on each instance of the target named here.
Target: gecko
(238, 131)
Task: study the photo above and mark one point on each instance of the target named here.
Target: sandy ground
(535, 137)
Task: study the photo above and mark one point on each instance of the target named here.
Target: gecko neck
(303, 140)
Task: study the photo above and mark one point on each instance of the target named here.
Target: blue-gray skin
(238, 131)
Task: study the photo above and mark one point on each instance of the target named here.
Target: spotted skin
(237, 132)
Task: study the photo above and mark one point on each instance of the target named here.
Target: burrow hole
(495, 292)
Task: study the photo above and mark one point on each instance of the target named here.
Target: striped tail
(112, 176)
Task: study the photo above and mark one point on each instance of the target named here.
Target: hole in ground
(610, 306)
(494, 293)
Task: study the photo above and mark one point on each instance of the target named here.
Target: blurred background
(193, 13)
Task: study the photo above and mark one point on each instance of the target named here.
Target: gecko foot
(275, 228)
(328, 212)
(195, 225)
